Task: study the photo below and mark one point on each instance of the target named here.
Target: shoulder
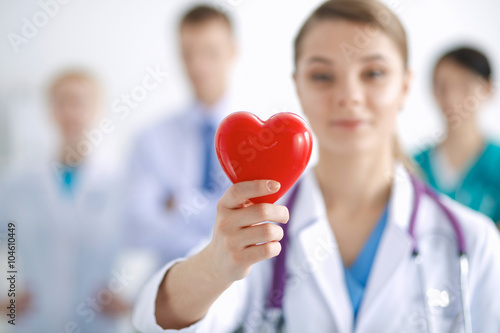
(494, 145)
(483, 251)
(489, 162)
(164, 126)
(22, 183)
(479, 230)
(25, 172)
(163, 135)
(493, 152)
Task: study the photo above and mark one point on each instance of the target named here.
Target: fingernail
(273, 186)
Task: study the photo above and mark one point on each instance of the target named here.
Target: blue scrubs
(68, 179)
(479, 187)
(356, 276)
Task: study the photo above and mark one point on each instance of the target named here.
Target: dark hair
(370, 12)
(204, 13)
(469, 58)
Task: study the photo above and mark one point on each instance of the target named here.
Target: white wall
(120, 39)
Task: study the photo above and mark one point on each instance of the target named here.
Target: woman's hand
(240, 238)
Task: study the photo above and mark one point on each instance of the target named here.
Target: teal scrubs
(356, 275)
(479, 187)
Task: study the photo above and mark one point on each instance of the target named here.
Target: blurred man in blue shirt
(175, 178)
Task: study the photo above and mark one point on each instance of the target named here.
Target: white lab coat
(167, 164)
(316, 297)
(66, 246)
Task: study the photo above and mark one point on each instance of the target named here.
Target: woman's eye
(374, 74)
(321, 77)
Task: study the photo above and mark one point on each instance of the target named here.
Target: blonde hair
(75, 75)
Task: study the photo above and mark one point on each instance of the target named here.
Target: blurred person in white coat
(65, 210)
(360, 244)
(175, 179)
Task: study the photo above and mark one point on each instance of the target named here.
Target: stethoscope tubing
(275, 308)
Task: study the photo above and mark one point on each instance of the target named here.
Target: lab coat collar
(309, 224)
(402, 197)
(310, 197)
(92, 170)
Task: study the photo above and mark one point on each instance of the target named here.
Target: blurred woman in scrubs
(64, 208)
(466, 165)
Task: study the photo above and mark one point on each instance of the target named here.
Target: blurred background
(119, 40)
(122, 42)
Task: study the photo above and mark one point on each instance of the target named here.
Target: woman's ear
(483, 91)
(295, 81)
(488, 86)
(407, 80)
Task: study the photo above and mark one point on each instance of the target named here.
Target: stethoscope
(273, 320)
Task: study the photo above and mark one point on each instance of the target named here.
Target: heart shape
(277, 149)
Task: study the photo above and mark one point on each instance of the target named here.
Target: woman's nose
(348, 92)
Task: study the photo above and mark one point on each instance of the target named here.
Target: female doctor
(368, 248)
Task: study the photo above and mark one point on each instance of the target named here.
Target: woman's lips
(349, 124)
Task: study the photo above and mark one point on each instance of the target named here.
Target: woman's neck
(351, 182)
(462, 143)
(355, 191)
(70, 154)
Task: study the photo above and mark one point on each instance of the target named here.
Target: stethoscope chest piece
(273, 321)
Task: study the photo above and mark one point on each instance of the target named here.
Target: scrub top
(478, 187)
(356, 275)
(69, 175)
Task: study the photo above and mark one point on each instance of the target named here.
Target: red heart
(277, 149)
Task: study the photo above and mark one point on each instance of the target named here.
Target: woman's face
(351, 82)
(458, 91)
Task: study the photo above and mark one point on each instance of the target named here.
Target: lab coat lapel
(320, 249)
(318, 243)
(394, 248)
